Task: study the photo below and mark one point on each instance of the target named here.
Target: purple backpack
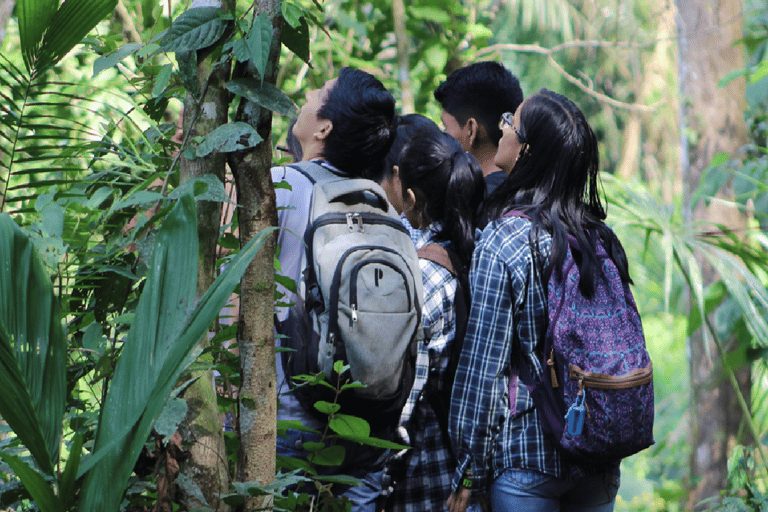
(595, 395)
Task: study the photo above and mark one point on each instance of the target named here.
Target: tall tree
(713, 119)
(256, 196)
(205, 109)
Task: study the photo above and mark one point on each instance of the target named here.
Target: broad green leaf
(40, 490)
(161, 81)
(339, 479)
(194, 29)
(429, 13)
(68, 477)
(331, 456)
(263, 94)
(33, 345)
(292, 13)
(327, 407)
(206, 187)
(173, 413)
(111, 59)
(258, 42)
(228, 138)
(346, 425)
(296, 39)
(160, 346)
(376, 442)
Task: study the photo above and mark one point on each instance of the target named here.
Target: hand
(459, 500)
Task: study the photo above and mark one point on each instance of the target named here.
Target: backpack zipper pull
(355, 218)
(354, 315)
(551, 364)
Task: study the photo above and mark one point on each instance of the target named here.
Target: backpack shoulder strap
(436, 253)
(315, 172)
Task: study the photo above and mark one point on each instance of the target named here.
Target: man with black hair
(347, 127)
(473, 99)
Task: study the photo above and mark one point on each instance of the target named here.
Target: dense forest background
(130, 130)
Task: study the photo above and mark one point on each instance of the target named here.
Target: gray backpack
(359, 300)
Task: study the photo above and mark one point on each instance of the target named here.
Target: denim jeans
(525, 490)
(365, 463)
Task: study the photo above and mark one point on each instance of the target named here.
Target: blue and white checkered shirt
(509, 308)
(429, 464)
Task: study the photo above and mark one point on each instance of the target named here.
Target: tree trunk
(256, 196)
(6, 9)
(202, 430)
(403, 57)
(708, 31)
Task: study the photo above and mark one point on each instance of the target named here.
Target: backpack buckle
(355, 218)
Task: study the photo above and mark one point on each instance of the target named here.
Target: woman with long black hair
(551, 155)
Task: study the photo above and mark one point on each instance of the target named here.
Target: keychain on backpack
(574, 418)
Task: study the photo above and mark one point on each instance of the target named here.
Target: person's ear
(325, 128)
(409, 199)
(472, 127)
(395, 171)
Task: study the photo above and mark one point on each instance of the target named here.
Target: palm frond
(160, 345)
(33, 348)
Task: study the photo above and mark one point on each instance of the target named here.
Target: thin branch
(533, 48)
(600, 96)
(126, 20)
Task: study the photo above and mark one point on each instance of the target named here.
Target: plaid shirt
(509, 306)
(429, 464)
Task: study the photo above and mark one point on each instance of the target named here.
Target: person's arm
(481, 378)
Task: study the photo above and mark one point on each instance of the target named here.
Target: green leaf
(376, 442)
(194, 29)
(258, 42)
(263, 94)
(174, 413)
(327, 407)
(111, 59)
(296, 39)
(32, 348)
(339, 479)
(228, 138)
(68, 477)
(346, 425)
(40, 490)
(429, 13)
(292, 13)
(160, 346)
(161, 81)
(71, 23)
(331, 456)
(33, 17)
(206, 187)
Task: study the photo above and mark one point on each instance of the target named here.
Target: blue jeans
(523, 490)
(365, 463)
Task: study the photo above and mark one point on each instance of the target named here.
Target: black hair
(450, 184)
(483, 90)
(555, 181)
(407, 127)
(362, 112)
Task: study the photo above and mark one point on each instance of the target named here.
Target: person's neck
(485, 155)
(312, 152)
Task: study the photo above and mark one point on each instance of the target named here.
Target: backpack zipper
(349, 219)
(353, 282)
(632, 379)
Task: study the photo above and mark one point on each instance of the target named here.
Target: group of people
(496, 152)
